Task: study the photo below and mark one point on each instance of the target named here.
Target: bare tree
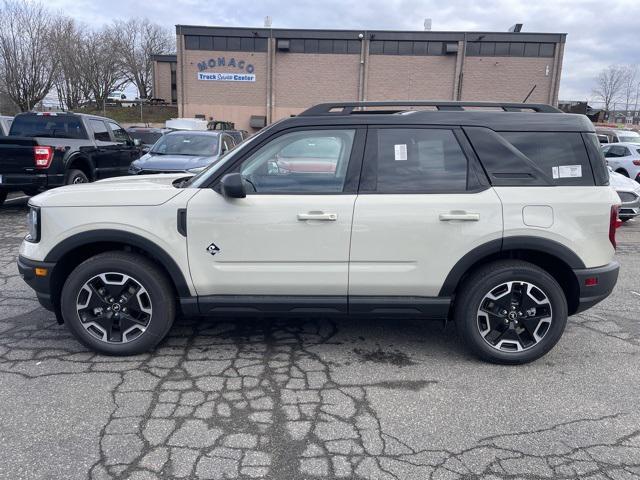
(101, 65)
(71, 83)
(609, 85)
(137, 41)
(629, 86)
(28, 63)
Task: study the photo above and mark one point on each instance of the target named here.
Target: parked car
(147, 135)
(5, 125)
(616, 135)
(183, 151)
(629, 193)
(502, 221)
(624, 158)
(46, 150)
(117, 96)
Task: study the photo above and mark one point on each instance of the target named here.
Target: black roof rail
(346, 108)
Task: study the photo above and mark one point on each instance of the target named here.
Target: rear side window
(417, 160)
(100, 131)
(48, 126)
(561, 155)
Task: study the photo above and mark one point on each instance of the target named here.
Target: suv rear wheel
(118, 303)
(76, 176)
(510, 312)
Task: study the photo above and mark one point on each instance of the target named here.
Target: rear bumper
(36, 181)
(606, 278)
(40, 284)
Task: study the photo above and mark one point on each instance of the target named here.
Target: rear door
(105, 153)
(422, 206)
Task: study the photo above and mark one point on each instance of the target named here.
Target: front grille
(627, 197)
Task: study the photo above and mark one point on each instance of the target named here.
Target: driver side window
(309, 161)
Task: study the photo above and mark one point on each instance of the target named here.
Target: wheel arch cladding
(72, 251)
(80, 162)
(553, 257)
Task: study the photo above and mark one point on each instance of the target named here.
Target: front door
(289, 238)
(422, 206)
(125, 151)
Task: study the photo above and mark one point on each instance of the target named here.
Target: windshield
(184, 143)
(147, 138)
(49, 126)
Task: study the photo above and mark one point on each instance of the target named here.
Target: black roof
(495, 115)
(444, 36)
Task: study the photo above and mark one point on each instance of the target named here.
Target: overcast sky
(600, 32)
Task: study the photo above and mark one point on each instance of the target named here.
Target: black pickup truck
(47, 150)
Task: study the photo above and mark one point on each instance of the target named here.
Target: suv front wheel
(510, 312)
(118, 303)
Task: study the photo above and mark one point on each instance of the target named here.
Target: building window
(230, 44)
(510, 49)
(394, 47)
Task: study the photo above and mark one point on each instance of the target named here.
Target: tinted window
(185, 143)
(562, 156)
(147, 138)
(100, 131)
(49, 126)
(304, 162)
(119, 133)
(419, 161)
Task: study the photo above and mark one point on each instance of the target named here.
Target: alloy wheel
(114, 307)
(514, 316)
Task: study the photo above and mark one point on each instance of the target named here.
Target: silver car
(629, 192)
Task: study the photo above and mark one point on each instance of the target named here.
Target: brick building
(253, 76)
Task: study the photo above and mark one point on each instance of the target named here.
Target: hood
(171, 162)
(142, 190)
(621, 183)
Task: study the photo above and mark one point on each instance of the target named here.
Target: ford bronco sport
(497, 216)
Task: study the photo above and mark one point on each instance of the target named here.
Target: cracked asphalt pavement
(315, 398)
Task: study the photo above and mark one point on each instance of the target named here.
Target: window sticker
(554, 172)
(400, 152)
(570, 171)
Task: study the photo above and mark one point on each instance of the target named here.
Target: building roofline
(167, 57)
(450, 36)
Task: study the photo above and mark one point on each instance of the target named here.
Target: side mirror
(232, 186)
(137, 142)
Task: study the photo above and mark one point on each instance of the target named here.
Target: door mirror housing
(137, 142)
(232, 186)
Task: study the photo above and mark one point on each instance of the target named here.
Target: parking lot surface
(316, 398)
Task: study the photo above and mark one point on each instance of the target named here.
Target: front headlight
(33, 224)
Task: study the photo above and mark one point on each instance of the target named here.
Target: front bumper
(594, 291)
(41, 284)
(631, 207)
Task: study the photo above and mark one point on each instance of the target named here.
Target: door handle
(327, 217)
(460, 216)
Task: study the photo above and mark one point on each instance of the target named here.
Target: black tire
(76, 176)
(3, 196)
(487, 279)
(30, 193)
(161, 302)
(622, 171)
(625, 219)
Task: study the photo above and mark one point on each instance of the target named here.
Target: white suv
(624, 158)
(497, 216)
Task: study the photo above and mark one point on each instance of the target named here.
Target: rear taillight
(614, 223)
(42, 156)
(636, 163)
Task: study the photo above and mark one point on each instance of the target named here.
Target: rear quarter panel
(580, 218)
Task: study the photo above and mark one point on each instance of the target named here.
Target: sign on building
(226, 77)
